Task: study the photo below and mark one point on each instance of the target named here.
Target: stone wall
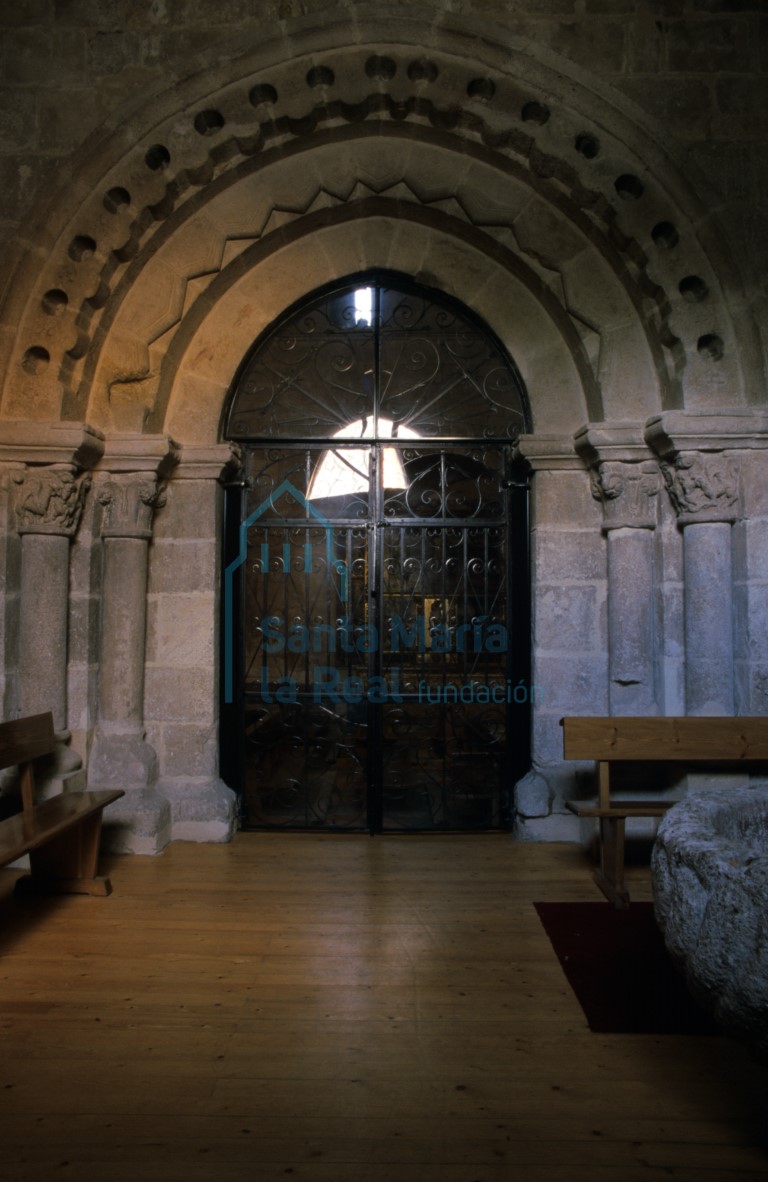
(586, 175)
(70, 68)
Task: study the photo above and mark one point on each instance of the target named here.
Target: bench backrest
(23, 740)
(653, 738)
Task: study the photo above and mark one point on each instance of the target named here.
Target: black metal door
(376, 617)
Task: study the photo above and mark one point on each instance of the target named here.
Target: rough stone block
(91, 13)
(571, 780)
(189, 751)
(19, 127)
(62, 52)
(753, 484)
(184, 567)
(563, 501)
(707, 46)
(573, 556)
(744, 98)
(557, 827)
(611, 7)
(190, 511)
(174, 695)
(683, 106)
(201, 810)
(533, 796)
(229, 12)
(138, 823)
(180, 632)
(573, 684)
(566, 618)
(24, 12)
(122, 760)
(756, 612)
(64, 115)
(547, 736)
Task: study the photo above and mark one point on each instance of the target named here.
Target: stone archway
(550, 167)
(531, 193)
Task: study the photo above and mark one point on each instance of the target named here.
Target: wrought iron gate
(376, 616)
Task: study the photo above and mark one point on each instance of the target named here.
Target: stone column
(626, 482)
(703, 484)
(569, 645)
(704, 491)
(10, 567)
(121, 757)
(49, 504)
(49, 492)
(181, 702)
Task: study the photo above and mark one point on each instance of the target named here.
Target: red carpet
(620, 971)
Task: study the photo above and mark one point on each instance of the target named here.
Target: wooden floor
(341, 1009)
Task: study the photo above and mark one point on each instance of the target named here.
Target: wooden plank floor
(341, 1009)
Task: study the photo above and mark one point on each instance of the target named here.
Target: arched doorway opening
(376, 630)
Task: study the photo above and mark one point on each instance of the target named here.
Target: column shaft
(630, 621)
(123, 627)
(708, 618)
(43, 612)
(49, 503)
(121, 757)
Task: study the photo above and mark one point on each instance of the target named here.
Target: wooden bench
(649, 740)
(61, 835)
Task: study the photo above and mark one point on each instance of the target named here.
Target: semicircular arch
(609, 239)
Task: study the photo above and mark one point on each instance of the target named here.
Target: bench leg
(610, 876)
(67, 864)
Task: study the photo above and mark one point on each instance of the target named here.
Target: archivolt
(580, 248)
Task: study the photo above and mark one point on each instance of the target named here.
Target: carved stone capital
(129, 501)
(627, 493)
(703, 486)
(50, 500)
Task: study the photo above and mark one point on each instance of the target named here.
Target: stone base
(556, 827)
(121, 759)
(138, 823)
(533, 796)
(62, 771)
(201, 810)
(53, 785)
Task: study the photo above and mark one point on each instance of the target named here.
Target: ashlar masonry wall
(586, 175)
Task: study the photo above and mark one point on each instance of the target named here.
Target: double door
(381, 642)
